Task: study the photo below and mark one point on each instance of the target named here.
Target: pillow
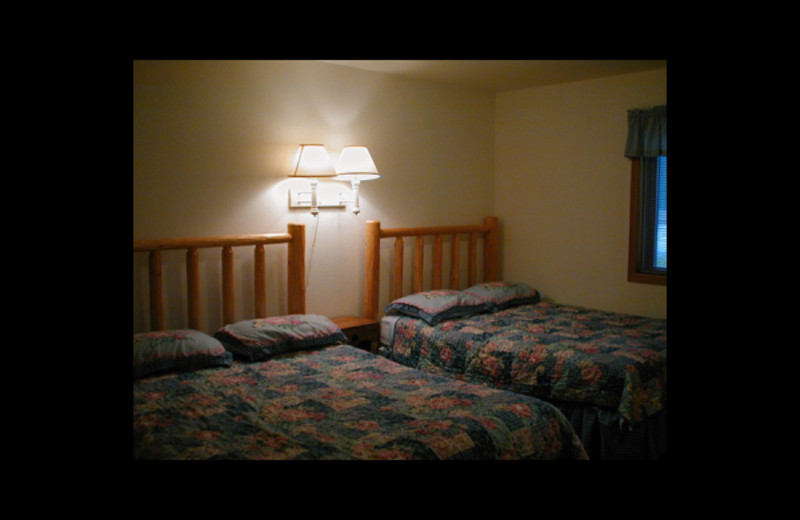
(261, 338)
(502, 295)
(176, 350)
(437, 306)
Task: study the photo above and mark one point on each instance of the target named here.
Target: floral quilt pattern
(339, 403)
(555, 352)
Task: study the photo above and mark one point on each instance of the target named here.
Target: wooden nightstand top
(361, 332)
(347, 322)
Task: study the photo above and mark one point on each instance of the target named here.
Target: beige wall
(214, 143)
(562, 190)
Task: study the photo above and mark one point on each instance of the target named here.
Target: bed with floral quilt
(288, 388)
(606, 371)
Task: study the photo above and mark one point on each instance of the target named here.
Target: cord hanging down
(311, 253)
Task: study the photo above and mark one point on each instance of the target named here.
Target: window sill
(655, 279)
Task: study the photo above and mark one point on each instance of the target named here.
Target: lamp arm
(355, 183)
(314, 201)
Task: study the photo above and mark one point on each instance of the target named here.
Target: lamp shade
(312, 160)
(355, 163)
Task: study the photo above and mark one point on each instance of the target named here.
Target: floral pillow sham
(173, 350)
(445, 304)
(439, 305)
(503, 295)
(258, 339)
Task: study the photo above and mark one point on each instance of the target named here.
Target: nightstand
(361, 332)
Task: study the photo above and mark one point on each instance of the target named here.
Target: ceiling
(503, 75)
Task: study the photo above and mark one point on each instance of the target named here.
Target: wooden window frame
(634, 273)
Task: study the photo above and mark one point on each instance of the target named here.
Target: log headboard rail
(296, 295)
(489, 230)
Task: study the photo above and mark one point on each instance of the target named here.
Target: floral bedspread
(339, 403)
(555, 352)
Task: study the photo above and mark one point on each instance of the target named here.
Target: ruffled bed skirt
(604, 437)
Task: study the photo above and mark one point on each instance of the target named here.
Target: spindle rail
(489, 230)
(296, 295)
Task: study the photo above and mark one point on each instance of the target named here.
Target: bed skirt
(604, 438)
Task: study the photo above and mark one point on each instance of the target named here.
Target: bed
(607, 372)
(289, 387)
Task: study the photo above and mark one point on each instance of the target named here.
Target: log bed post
(156, 291)
(419, 262)
(397, 278)
(297, 272)
(193, 286)
(228, 290)
(491, 270)
(260, 280)
(454, 266)
(372, 282)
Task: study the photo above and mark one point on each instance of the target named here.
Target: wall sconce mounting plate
(302, 199)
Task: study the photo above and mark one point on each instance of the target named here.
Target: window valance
(647, 132)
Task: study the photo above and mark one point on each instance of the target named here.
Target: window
(647, 256)
(646, 146)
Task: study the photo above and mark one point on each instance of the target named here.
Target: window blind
(653, 227)
(660, 255)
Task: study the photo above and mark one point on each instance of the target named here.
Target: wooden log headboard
(296, 295)
(489, 231)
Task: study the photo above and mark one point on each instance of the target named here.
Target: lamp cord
(311, 254)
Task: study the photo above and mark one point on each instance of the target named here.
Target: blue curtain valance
(647, 132)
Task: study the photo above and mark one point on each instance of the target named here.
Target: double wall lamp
(355, 164)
